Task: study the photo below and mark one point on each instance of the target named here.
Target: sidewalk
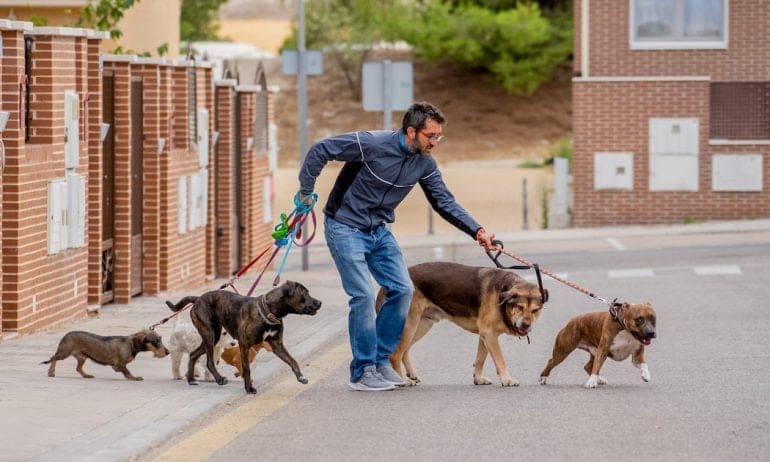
(68, 418)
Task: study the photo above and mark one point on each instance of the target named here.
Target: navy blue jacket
(379, 172)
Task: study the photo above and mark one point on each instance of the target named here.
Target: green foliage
(519, 46)
(104, 15)
(199, 20)
(37, 20)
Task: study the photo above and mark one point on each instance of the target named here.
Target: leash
(527, 265)
(284, 234)
(612, 304)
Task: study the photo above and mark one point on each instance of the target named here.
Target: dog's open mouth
(643, 340)
(520, 331)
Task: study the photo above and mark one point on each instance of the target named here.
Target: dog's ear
(508, 296)
(545, 297)
(137, 340)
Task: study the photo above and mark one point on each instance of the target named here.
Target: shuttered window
(740, 110)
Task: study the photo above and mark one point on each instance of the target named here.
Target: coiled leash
(612, 304)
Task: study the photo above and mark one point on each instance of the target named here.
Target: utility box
(614, 170)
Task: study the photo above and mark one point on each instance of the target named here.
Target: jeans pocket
(335, 229)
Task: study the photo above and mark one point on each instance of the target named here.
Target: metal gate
(108, 190)
(137, 185)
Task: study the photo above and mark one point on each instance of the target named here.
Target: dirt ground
(484, 122)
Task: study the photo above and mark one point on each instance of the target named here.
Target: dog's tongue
(646, 341)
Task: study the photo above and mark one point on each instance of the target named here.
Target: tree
(199, 20)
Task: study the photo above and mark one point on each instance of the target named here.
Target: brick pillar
(11, 74)
(148, 70)
(167, 219)
(93, 104)
(223, 201)
(247, 97)
(206, 98)
(121, 69)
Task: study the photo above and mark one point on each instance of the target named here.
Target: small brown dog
(116, 350)
(232, 355)
(622, 331)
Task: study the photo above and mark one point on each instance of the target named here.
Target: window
(740, 111)
(678, 24)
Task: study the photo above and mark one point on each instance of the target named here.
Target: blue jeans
(359, 256)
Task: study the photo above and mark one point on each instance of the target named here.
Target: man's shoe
(371, 381)
(387, 372)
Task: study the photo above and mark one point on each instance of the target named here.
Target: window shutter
(203, 137)
(182, 204)
(71, 129)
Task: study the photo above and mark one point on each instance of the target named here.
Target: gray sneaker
(371, 381)
(387, 372)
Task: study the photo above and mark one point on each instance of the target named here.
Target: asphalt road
(707, 400)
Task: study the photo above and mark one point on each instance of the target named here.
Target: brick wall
(11, 74)
(39, 288)
(612, 108)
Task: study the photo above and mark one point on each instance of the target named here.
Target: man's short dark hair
(418, 114)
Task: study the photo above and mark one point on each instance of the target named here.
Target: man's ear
(411, 132)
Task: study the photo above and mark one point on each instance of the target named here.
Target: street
(707, 400)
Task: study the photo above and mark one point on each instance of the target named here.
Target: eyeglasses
(435, 138)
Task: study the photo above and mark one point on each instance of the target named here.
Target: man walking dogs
(381, 167)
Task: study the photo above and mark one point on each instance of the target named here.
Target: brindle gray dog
(116, 351)
(250, 320)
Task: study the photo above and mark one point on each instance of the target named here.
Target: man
(380, 169)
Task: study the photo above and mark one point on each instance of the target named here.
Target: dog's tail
(182, 303)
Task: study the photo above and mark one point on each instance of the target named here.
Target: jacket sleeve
(342, 147)
(444, 203)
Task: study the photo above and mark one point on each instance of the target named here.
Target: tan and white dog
(621, 332)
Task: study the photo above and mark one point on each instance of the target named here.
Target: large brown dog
(624, 330)
(250, 320)
(116, 350)
(484, 301)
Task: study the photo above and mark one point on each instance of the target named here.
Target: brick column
(224, 91)
(93, 104)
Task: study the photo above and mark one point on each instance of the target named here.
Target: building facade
(671, 111)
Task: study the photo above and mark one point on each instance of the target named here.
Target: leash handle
(496, 257)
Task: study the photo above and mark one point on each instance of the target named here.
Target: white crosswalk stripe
(631, 273)
(717, 270)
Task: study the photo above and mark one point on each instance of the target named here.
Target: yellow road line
(201, 445)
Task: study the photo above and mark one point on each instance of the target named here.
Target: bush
(519, 46)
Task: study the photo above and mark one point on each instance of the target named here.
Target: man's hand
(305, 199)
(485, 239)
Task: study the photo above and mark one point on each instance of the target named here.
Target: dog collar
(269, 318)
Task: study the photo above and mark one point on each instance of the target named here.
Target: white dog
(185, 338)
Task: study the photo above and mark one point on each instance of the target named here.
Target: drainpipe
(584, 38)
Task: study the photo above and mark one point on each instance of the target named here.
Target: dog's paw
(645, 372)
(136, 379)
(481, 380)
(543, 380)
(223, 381)
(593, 382)
(302, 379)
(411, 382)
(509, 382)
(601, 380)
(251, 390)
(192, 382)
